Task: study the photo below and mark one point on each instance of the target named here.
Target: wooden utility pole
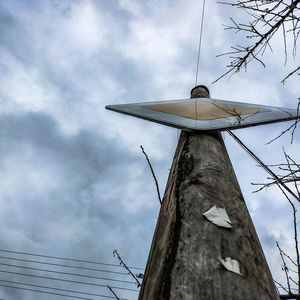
(191, 258)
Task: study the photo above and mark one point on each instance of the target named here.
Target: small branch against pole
(113, 292)
(284, 268)
(153, 174)
(115, 253)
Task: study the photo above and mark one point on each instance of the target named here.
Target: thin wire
(66, 280)
(62, 265)
(58, 289)
(200, 40)
(44, 292)
(69, 259)
(66, 273)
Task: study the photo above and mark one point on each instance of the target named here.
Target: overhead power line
(62, 265)
(44, 292)
(58, 289)
(67, 280)
(66, 273)
(68, 259)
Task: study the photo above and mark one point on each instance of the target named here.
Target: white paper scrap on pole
(218, 216)
(231, 265)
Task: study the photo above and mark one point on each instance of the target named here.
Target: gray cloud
(73, 181)
(63, 192)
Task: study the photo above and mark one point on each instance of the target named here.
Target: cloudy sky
(73, 180)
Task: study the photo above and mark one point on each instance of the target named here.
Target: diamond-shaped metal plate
(205, 113)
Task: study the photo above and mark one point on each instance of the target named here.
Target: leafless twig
(293, 127)
(281, 286)
(266, 18)
(284, 268)
(234, 113)
(153, 174)
(295, 234)
(115, 253)
(290, 74)
(292, 168)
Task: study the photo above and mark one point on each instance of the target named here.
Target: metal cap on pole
(200, 91)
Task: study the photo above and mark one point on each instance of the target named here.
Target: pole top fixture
(200, 91)
(201, 112)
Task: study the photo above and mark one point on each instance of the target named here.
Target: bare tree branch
(290, 74)
(266, 18)
(284, 268)
(293, 126)
(153, 174)
(281, 286)
(295, 234)
(115, 253)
